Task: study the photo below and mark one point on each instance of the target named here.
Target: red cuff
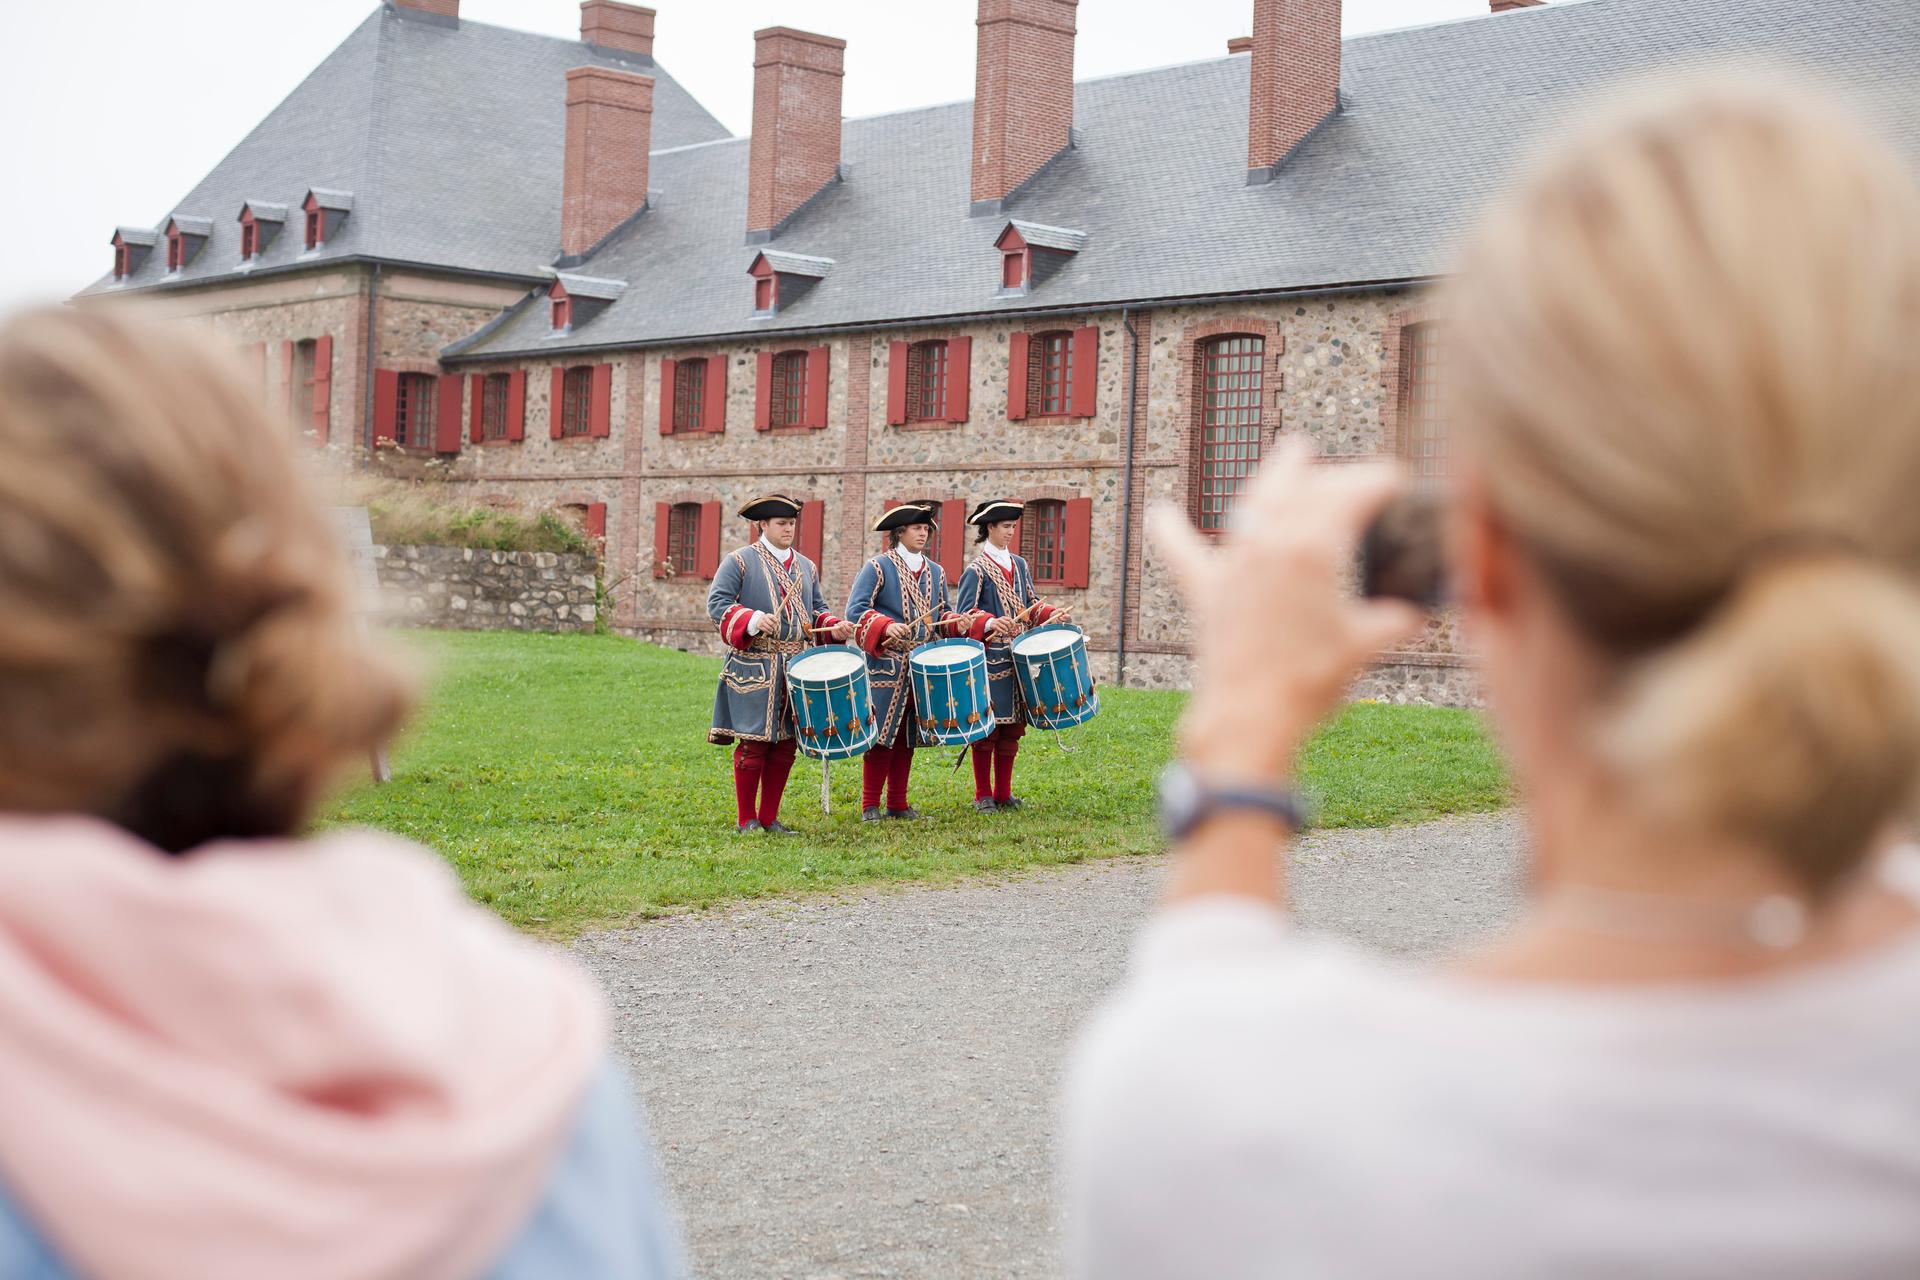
(872, 632)
(1039, 615)
(733, 626)
(978, 631)
(823, 621)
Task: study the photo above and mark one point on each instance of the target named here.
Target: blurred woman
(225, 1052)
(1686, 541)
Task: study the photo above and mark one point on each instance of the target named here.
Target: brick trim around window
(1393, 375)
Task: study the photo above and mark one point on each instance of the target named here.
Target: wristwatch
(1187, 800)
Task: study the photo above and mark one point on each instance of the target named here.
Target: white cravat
(1001, 556)
(913, 559)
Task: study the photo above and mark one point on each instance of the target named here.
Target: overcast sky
(114, 109)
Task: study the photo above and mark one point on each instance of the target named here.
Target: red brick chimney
(1501, 6)
(795, 149)
(1296, 78)
(445, 8)
(1022, 93)
(1240, 44)
(611, 25)
(609, 133)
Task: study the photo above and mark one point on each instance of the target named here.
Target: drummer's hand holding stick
(1277, 641)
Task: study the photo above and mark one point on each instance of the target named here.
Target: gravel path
(864, 1086)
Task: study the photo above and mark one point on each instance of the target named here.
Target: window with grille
(927, 381)
(1043, 539)
(413, 418)
(493, 406)
(683, 537)
(122, 262)
(1423, 433)
(316, 228)
(788, 404)
(1049, 373)
(1230, 424)
(249, 239)
(174, 252)
(576, 401)
(302, 388)
(689, 395)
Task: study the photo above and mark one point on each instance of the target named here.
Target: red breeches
(760, 772)
(885, 768)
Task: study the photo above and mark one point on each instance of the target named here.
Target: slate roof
(794, 264)
(1432, 119)
(591, 286)
(449, 138)
(1042, 236)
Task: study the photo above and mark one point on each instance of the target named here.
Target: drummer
(767, 602)
(998, 582)
(899, 600)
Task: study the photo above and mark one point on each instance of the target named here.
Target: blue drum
(950, 691)
(832, 702)
(1056, 681)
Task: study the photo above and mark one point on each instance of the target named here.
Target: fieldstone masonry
(470, 590)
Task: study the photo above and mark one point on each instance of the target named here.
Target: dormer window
(131, 245)
(782, 279)
(259, 223)
(574, 300)
(1031, 252)
(185, 237)
(325, 211)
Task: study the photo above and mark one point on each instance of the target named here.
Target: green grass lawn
(569, 781)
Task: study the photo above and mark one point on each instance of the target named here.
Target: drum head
(822, 665)
(1038, 644)
(953, 653)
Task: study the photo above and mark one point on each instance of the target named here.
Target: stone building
(542, 268)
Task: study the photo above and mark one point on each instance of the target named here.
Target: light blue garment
(604, 1216)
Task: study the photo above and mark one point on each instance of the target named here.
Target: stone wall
(469, 590)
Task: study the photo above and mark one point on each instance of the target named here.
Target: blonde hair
(177, 648)
(1683, 364)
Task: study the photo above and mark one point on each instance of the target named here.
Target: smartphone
(1401, 554)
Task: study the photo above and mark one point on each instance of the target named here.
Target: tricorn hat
(905, 514)
(774, 506)
(996, 511)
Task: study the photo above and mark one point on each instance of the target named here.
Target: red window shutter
(714, 396)
(322, 384)
(476, 407)
(1086, 368)
(812, 528)
(517, 405)
(386, 404)
(707, 544)
(1079, 541)
(556, 405)
(763, 394)
(668, 368)
(597, 525)
(819, 366)
(959, 378)
(446, 415)
(600, 412)
(953, 538)
(286, 375)
(896, 383)
(662, 516)
(1016, 376)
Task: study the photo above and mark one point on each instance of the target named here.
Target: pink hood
(310, 1061)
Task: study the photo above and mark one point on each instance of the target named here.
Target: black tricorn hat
(774, 506)
(996, 511)
(907, 513)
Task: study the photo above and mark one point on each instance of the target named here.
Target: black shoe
(985, 804)
(1011, 802)
(908, 814)
(872, 815)
(747, 826)
(779, 828)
